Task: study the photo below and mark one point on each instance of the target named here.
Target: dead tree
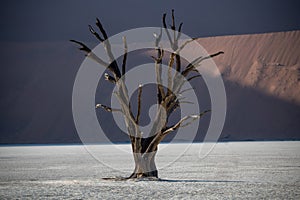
(144, 149)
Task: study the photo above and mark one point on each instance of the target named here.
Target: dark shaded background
(39, 64)
(60, 20)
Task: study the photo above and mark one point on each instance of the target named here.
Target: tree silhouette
(145, 149)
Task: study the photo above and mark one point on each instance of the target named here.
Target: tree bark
(144, 161)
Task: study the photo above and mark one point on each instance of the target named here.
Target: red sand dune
(269, 62)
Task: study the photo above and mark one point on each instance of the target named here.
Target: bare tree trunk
(144, 161)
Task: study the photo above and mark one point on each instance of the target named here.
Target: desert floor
(230, 170)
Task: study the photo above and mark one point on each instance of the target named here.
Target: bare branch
(98, 23)
(160, 89)
(211, 56)
(159, 136)
(108, 109)
(178, 58)
(191, 66)
(179, 31)
(173, 21)
(109, 78)
(124, 56)
(174, 103)
(83, 46)
(99, 61)
(95, 34)
(113, 66)
(173, 27)
(139, 103)
(197, 61)
(160, 53)
(171, 61)
(180, 80)
(108, 50)
(166, 29)
(178, 62)
(183, 45)
(184, 119)
(91, 55)
(129, 118)
(157, 38)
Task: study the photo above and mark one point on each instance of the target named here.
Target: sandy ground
(249, 170)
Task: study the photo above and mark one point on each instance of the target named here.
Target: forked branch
(98, 23)
(95, 33)
(90, 54)
(107, 48)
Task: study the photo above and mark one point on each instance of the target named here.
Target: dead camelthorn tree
(144, 149)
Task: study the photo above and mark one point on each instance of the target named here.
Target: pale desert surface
(237, 170)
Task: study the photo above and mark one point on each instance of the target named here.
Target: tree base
(132, 179)
(149, 176)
